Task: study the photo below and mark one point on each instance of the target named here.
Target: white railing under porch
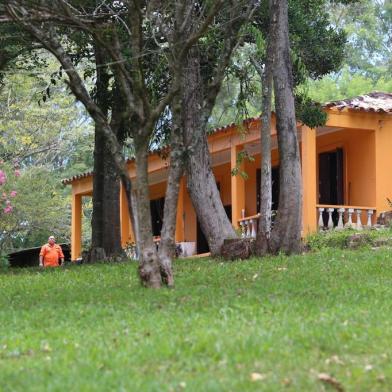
(248, 226)
(340, 217)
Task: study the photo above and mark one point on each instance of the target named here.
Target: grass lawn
(93, 328)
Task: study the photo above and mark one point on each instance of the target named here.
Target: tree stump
(236, 248)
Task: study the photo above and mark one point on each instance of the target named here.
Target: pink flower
(8, 209)
(8, 202)
(4, 195)
(13, 193)
(17, 173)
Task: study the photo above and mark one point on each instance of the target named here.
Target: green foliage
(94, 327)
(4, 262)
(317, 49)
(46, 134)
(368, 64)
(309, 112)
(51, 141)
(368, 25)
(16, 50)
(41, 208)
(242, 156)
(324, 36)
(345, 84)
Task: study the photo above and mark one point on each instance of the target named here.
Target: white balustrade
(248, 226)
(340, 225)
(369, 221)
(349, 223)
(340, 217)
(253, 223)
(243, 229)
(330, 221)
(321, 220)
(359, 223)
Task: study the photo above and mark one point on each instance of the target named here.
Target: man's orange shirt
(51, 255)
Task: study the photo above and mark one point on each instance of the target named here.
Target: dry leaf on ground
(334, 359)
(257, 377)
(328, 379)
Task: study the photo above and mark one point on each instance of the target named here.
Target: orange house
(346, 174)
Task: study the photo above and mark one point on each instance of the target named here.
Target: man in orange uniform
(50, 254)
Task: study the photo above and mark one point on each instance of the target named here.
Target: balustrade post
(245, 228)
(330, 221)
(349, 223)
(340, 225)
(321, 221)
(369, 220)
(242, 227)
(253, 225)
(359, 222)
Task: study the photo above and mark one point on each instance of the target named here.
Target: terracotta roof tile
(378, 102)
(67, 181)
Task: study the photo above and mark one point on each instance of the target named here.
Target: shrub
(4, 261)
(340, 238)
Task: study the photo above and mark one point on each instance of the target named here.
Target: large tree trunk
(286, 235)
(97, 226)
(149, 269)
(106, 231)
(167, 246)
(266, 75)
(199, 99)
(201, 182)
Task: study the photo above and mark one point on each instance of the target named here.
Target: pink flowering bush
(5, 202)
(3, 177)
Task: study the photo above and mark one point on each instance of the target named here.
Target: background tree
(206, 66)
(50, 140)
(286, 235)
(367, 62)
(308, 43)
(131, 75)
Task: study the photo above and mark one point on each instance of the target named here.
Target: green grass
(93, 328)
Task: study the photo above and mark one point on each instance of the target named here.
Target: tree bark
(106, 232)
(167, 245)
(149, 269)
(201, 181)
(266, 74)
(286, 235)
(199, 99)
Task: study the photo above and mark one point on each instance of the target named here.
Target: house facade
(346, 175)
